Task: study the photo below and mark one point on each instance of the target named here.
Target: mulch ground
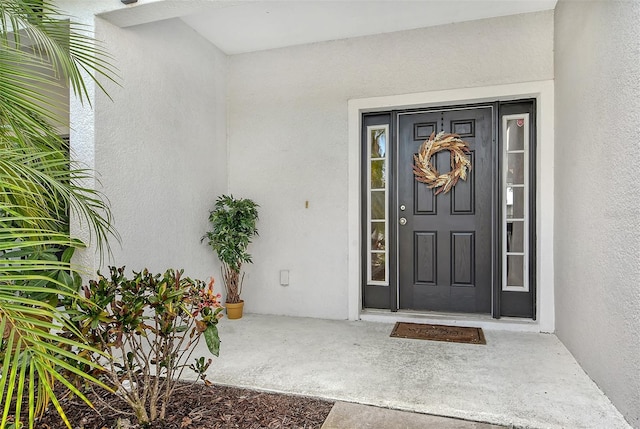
(198, 406)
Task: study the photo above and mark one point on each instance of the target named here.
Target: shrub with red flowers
(148, 326)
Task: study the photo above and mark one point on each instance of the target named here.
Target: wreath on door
(425, 171)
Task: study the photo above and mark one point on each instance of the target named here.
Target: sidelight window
(515, 203)
(377, 207)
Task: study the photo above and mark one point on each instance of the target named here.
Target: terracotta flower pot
(234, 311)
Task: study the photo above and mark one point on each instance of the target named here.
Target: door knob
(403, 221)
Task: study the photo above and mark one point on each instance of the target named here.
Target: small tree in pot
(233, 223)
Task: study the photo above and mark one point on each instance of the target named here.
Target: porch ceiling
(245, 26)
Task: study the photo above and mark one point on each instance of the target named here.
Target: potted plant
(233, 225)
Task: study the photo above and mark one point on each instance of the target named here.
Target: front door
(445, 241)
(471, 250)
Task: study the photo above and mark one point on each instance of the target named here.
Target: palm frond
(33, 182)
(42, 51)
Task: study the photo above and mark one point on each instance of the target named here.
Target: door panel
(380, 237)
(445, 247)
(519, 303)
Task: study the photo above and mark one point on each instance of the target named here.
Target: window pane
(515, 270)
(377, 189)
(378, 143)
(515, 226)
(378, 205)
(378, 174)
(515, 168)
(515, 236)
(515, 134)
(515, 202)
(378, 240)
(378, 267)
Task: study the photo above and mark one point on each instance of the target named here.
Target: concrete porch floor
(517, 379)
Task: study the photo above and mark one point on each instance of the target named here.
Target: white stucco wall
(288, 135)
(160, 147)
(597, 57)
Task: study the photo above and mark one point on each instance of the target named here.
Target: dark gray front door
(445, 246)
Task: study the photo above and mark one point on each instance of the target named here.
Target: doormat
(452, 334)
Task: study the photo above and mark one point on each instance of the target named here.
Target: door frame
(543, 92)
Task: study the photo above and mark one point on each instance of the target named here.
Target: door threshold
(484, 321)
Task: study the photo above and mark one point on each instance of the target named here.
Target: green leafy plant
(233, 226)
(200, 367)
(150, 325)
(54, 255)
(32, 358)
(40, 188)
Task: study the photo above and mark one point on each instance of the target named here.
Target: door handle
(403, 221)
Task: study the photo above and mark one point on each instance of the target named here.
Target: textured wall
(288, 134)
(597, 57)
(160, 147)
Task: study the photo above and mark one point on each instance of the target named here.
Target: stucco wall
(288, 134)
(597, 57)
(160, 147)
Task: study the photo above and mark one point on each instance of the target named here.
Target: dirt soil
(198, 406)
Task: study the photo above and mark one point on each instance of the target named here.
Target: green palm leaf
(40, 189)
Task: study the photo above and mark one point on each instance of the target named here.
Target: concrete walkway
(345, 415)
(518, 379)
